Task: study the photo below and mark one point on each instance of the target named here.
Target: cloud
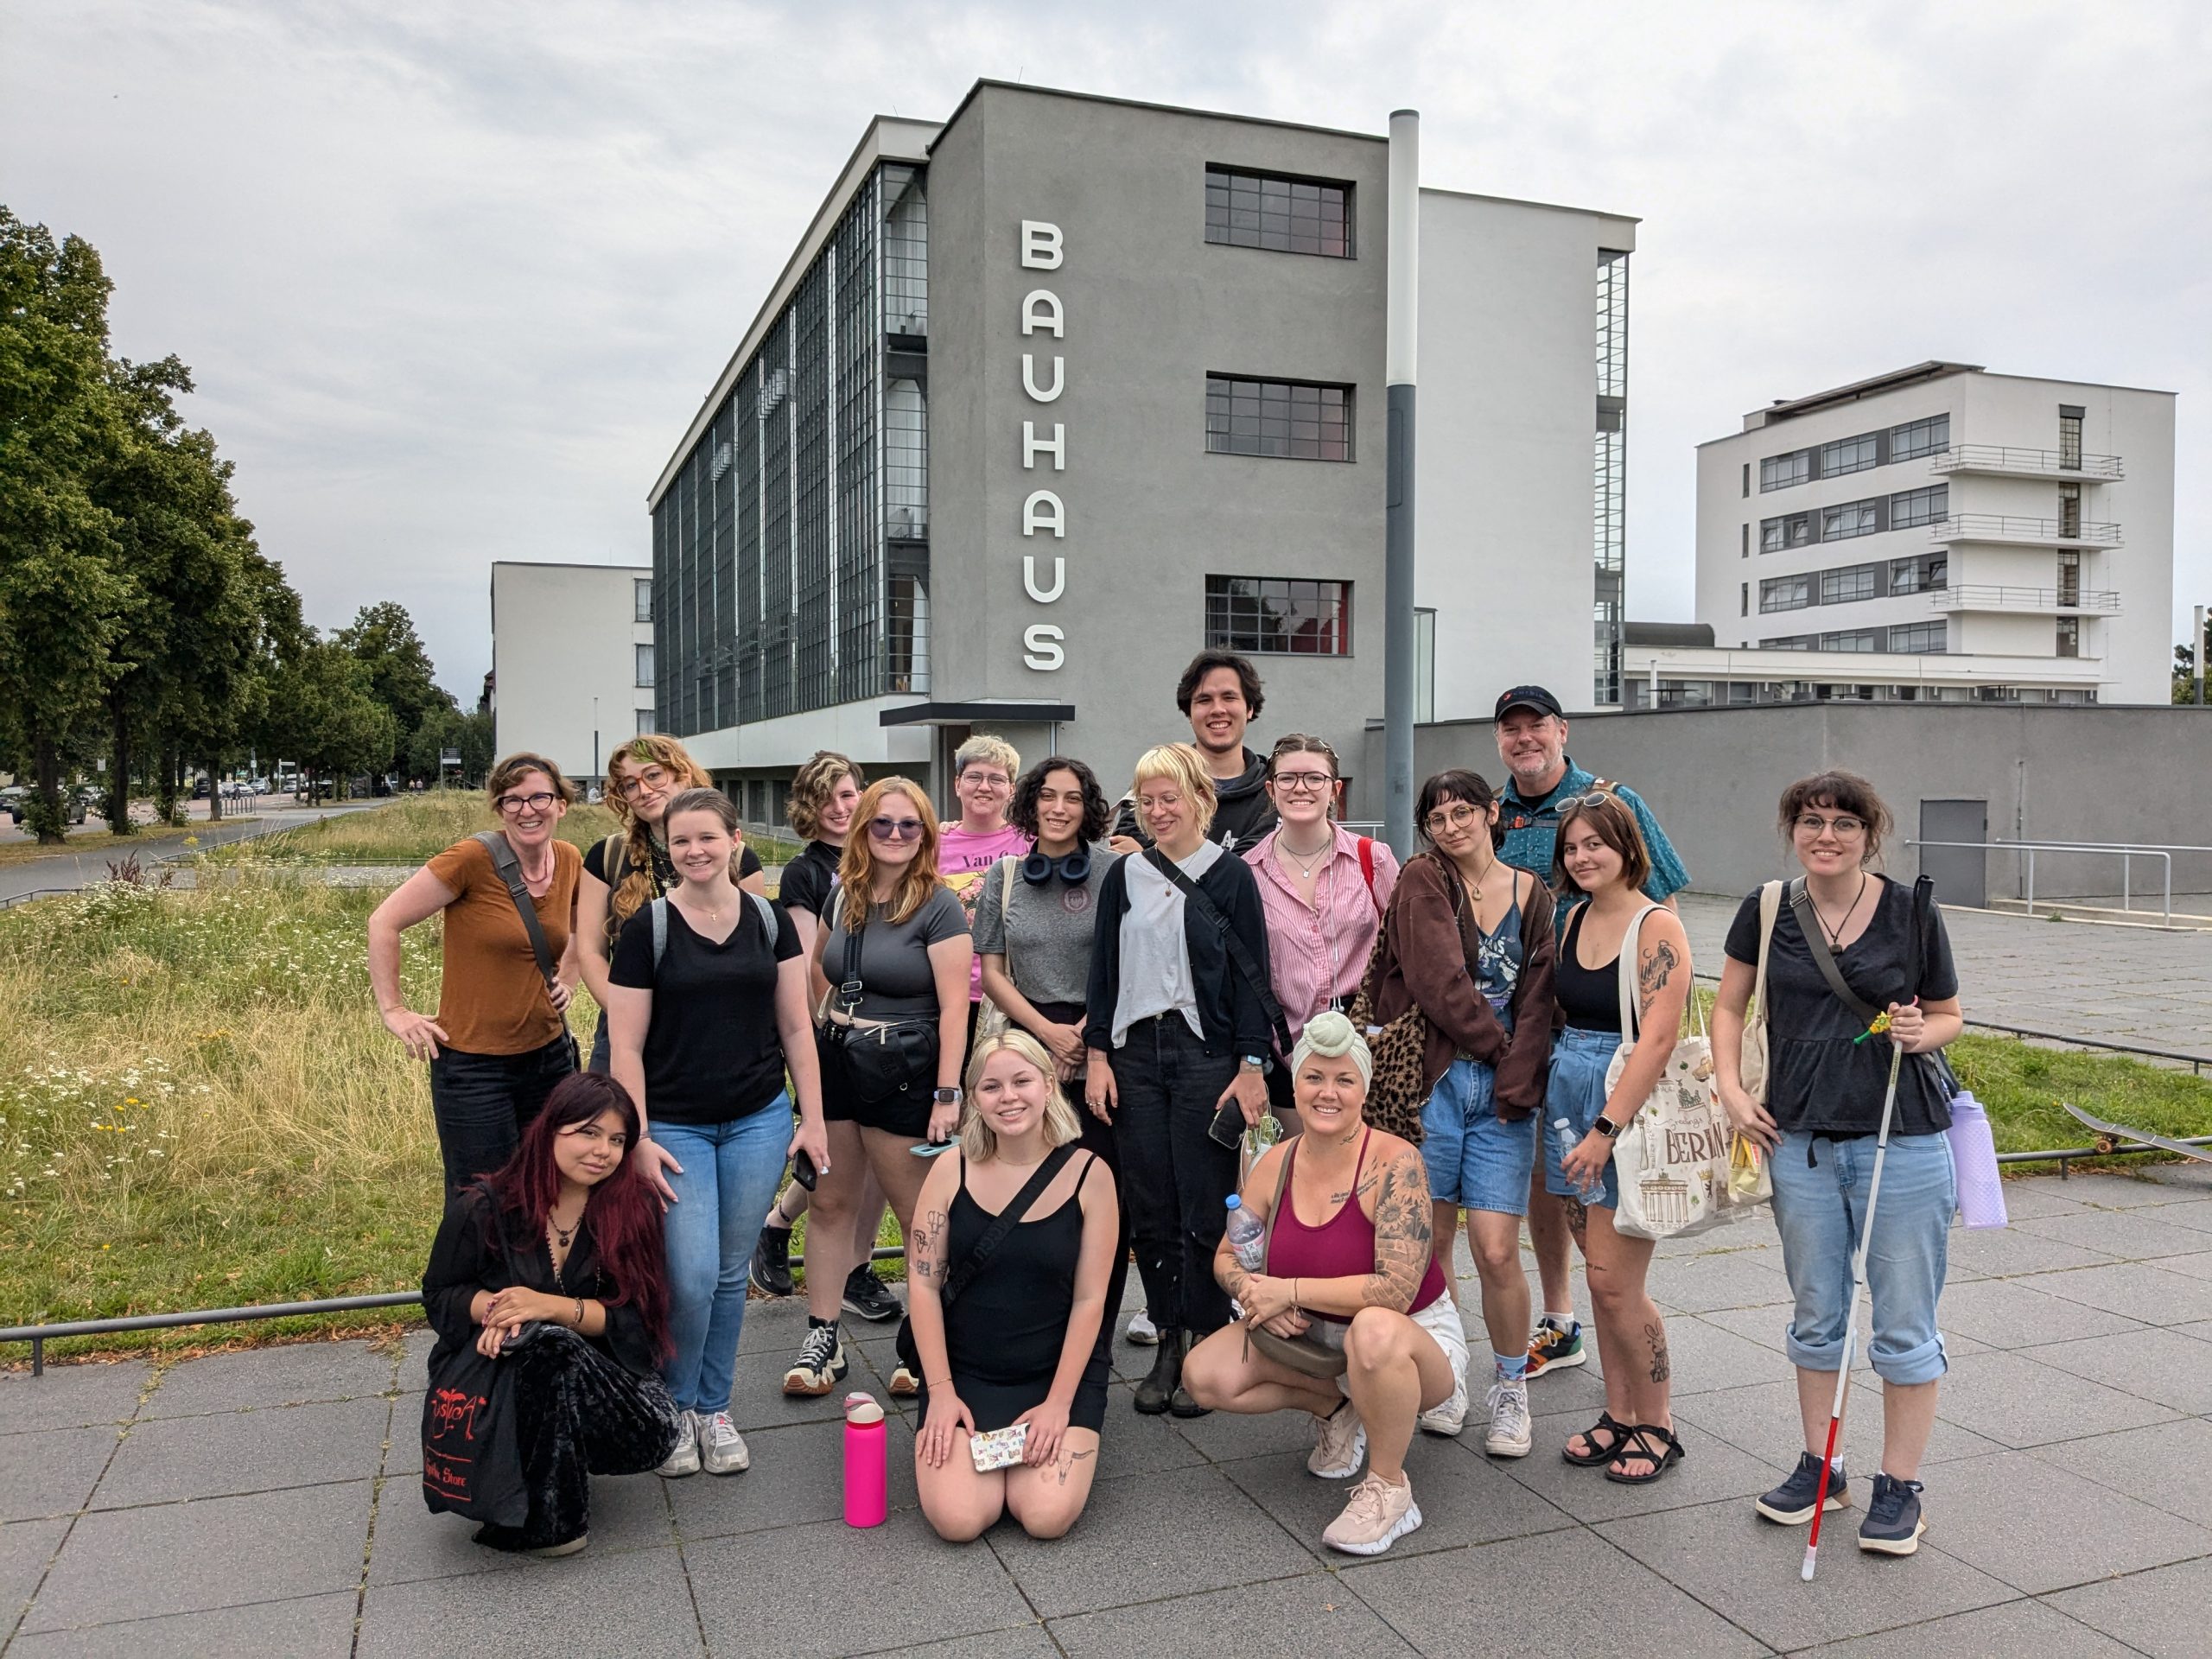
(453, 279)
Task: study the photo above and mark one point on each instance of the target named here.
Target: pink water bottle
(867, 1495)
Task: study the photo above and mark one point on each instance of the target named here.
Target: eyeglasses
(1457, 818)
(895, 828)
(1846, 827)
(513, 805)
(978, 777)
(1311, 783)
(651, 777)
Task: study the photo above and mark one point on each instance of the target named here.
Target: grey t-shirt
(1045, 931)
(895, 977)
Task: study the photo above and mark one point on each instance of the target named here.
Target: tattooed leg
(1047, 1499)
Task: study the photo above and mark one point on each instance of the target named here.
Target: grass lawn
(199, 1107)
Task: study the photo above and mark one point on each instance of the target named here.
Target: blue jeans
(1474, 1159)
(1576, 1091)
(1820, 1204)
(730, 1172)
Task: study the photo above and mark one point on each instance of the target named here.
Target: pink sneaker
(1377, 1515)
(1339, 1443)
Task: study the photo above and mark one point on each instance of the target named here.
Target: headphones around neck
(1074, 869)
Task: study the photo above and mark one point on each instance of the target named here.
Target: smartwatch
(946, 1096)
(1606, 1125)
(1257, 1062)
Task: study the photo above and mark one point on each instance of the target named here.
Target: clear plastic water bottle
(1247, 1237)
(1568, 1141)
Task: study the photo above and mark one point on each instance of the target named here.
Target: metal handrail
(1974, 526)
(1980, 595)
(2000, 457)
(2125, 853)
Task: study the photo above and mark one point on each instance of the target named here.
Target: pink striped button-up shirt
(1316, 954)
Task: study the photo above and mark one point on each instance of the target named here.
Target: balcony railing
(1984, 596)
(908, 522)
(2034, 532)
(2024, 463)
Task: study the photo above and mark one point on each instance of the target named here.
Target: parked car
(15, 800)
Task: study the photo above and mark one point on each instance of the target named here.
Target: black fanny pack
(881, 1061)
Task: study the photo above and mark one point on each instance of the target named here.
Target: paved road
(267, 1502)
(70, 870)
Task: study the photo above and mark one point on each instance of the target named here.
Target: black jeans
(601, 1050)
(577, 1414)
(1177, 1175)
(1099, 1140)
(483, 1103)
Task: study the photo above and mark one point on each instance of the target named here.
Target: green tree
(2185, 666)
(401, 676)
(323, 712)
(449, 729)
(62, 597)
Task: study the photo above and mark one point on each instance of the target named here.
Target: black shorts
(906, 1112)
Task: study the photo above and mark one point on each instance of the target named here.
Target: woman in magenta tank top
(1347, 1267)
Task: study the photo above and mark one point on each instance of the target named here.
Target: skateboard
(2113, 1133)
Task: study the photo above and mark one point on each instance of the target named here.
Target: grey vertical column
(1401, 359)
(2196, 656)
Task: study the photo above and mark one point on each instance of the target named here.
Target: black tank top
(1590, 996)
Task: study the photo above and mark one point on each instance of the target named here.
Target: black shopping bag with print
(472, 1462)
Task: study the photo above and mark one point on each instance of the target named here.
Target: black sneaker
(771, 1272)
(1893, 1522)
(821, 1364)
(1791, 1502)
(867, 1297)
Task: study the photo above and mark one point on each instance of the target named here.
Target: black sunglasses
(1074, 869)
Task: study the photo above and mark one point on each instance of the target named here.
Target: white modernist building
(1936, 534)
(572, 661)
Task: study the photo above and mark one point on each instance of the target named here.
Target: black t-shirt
(1819, 1079)
(713, 1053)
(809, 878)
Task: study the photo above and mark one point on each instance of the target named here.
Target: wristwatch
(947, 1097)
(1606, 1125)
(1257, 1062)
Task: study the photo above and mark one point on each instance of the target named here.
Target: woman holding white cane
(1828, 1118)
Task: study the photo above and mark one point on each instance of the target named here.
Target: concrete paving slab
(1188, 1530)
(54, 1471)
(761, 1593)
(2146, 1464)
(2133, 1235)
(1023, 1641)
(2153, 1364)
(273, 1546)
(627, 1513)
(2112, 1190)
(1131, 1443)
(1761, 1419)
(2017, 1313)
(2011, 1252)
(173, 1457)
(312, 1627)
(1482, 1601)
(1704, 1355)
(415, 1360)
(1697, 1284)
(291, 1376)
(757, 1399)
(402, 1456)
(71, 1396)
(2041, 1527)
(1225, 1436)
(2136, 1290)
(2161, 1612)
(2040, 1195)
(1746, 1570)
(1465, 1498)
(2008, 1398)
(553, 1610)
(1312, 1613)
(26, 1546)
(2015, 1627)
(2198, 1265)
(798, 1477)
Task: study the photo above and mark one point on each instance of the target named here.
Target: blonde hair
(812, 786)
(637, 887)
(856, 869)
(984, 746)
(1179, 764)
(979, 1141)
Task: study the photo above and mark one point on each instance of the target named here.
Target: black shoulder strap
(964, 1271)
(510, 869)
(1239, 952)
(1816, 940)
(849, 988)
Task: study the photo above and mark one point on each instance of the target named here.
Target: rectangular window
(2069, 636)
(1928, 506)
(1849, 518)
(1744, 550)
(1851, 583)
(1849, 455)
(642, 592)
(645, 726)
(2070, 509)
(1747, 478)
(1918, 637)
(1791, 530)
(1287, 420)
(1785, 594)
(1259, 210)
(1791, 642)
(1924, 574)
(1852, 639)
(645, 664)
(2069, 578)
(1278, 617)
(1780, 472)
(2071, 416)
(1916, 438)
(1743, 598)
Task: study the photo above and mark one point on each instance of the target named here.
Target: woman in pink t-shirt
(983, 771)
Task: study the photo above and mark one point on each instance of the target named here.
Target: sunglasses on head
(895, 828)
(1074, 869)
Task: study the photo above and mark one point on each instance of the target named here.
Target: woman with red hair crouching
(553, 1264)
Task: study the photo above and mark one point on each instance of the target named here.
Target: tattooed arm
(1663, 984)
(925, 1267)
(1396, 1201)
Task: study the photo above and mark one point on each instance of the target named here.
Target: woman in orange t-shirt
(500, 1040)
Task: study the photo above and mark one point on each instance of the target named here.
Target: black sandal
(1640, 1444)
(1597, 1455)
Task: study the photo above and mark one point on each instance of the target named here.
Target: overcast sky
(453, 278)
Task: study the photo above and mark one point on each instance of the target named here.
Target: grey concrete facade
(1714, 777)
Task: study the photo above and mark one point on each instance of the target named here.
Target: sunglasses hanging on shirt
(1074, 869)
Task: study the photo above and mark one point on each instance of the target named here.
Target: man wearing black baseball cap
(1531, 732)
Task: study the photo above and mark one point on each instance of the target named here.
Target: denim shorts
(1819, 1206)
(1576, 1092)
(1476, 1160)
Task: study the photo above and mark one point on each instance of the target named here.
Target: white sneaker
(722, 1448)
(1376, 1517)
(1339, 1443)
(685, 1460)
(1450, 1417)
(1509, 1434)
(1142, 1331)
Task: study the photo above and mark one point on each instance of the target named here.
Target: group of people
(1048, 1036)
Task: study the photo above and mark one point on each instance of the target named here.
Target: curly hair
(1022, 815)
(812, 786)
(636, 889)
(856, 869)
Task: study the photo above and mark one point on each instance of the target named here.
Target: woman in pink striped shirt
(1323, 889)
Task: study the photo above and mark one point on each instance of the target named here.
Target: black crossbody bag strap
(1809, 923)
(848, 989)
(964, 1271)
(510, 871)
(1239, 952)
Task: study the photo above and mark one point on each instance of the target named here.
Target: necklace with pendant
(1305, 867)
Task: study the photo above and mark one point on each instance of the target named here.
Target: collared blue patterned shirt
(1532, 833)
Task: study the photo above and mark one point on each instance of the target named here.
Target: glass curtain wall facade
(1609, 470)
(790, 550)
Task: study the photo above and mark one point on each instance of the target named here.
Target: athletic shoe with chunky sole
(1791, 1503)
(821, 1364)
(1376, 1516)
(1893, 1522)
(769, 1271)
(867, 1297)
(1554, 1350)
(1339, 1445)
(1509, 1435)
(685, 1458)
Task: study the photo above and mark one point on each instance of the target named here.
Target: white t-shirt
(1155, 954)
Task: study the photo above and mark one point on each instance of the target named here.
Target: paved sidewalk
(267, 1503)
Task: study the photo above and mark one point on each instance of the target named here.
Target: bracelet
(946, 1383)
(580, 1312)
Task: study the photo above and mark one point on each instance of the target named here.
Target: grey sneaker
(1893, 1522)
(722, 1448)
(1791, 1503)
(1509, 1435)
(1142, 1331)
(685, 1460)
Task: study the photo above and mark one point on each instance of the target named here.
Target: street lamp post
(594, 741)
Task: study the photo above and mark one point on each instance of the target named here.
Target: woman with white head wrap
(1344, 1315)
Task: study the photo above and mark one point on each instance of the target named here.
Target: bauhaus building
(1052, 395)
